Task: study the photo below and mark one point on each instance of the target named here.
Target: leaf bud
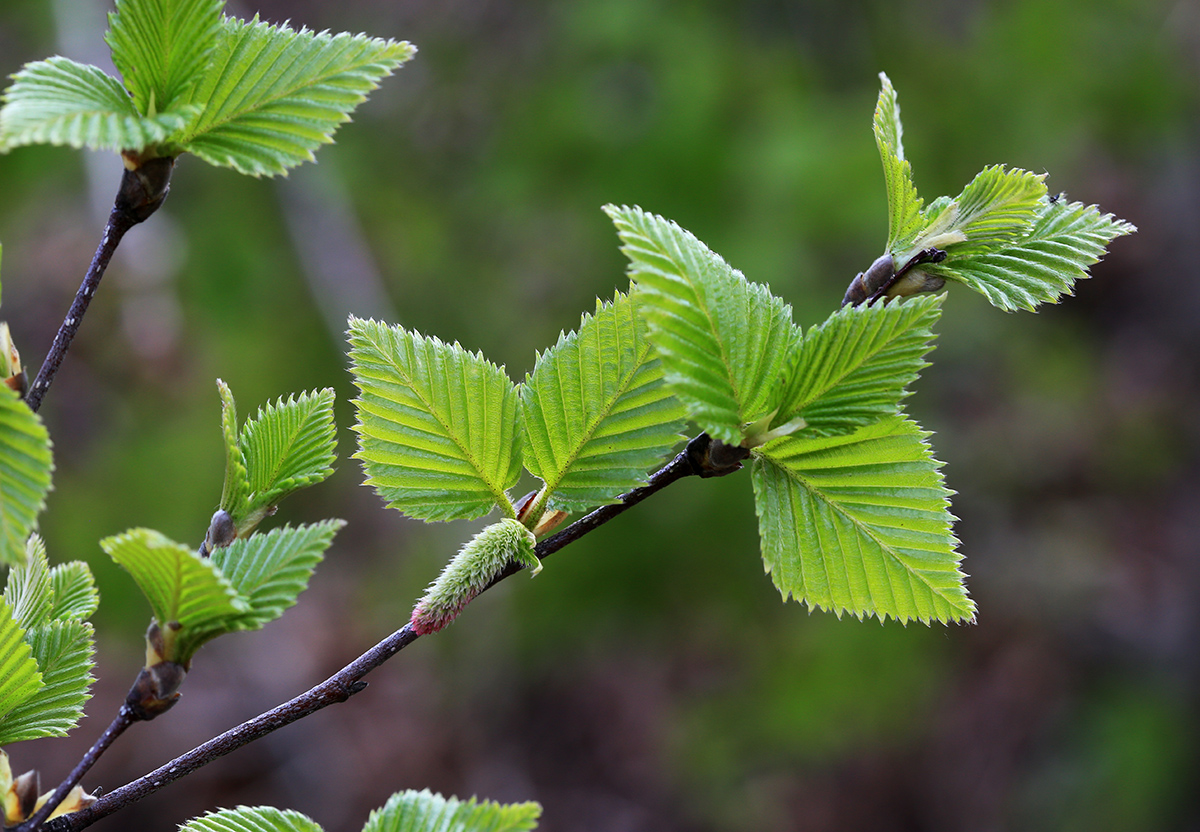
(869, 282)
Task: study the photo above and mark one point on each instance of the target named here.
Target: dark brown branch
(703, 457)
(141, 192)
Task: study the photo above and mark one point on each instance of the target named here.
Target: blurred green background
(650, 678)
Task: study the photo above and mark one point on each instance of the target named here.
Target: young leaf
(271, 570)
(29, 591)
(997, 207)
(1043, 265)
(424, 811)
(75, 594)
(596, 411)
(289, 445)
(252, 819)
(722, 339)
(860, 523)
(235, 494)
(904, 206)
(438, 426)
(25, 466)
(58, 101)
(181, 587)
(273, 95)
(161, 48)
(19, 674)
(63, 651)
(855, 368)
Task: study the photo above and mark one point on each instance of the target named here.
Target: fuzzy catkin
(477, 563)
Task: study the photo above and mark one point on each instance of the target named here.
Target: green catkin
(479, 561)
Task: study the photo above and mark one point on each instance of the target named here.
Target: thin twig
(703, 457)
(141, 192)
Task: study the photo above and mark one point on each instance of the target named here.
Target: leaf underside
(424, 811)
(596, 412)
(438, 426)
(63, 651)
(904, 206)
(997, 207)
(860, 523)
(25, 467)
(721, 338)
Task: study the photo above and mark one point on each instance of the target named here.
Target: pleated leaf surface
(25, 467)
(289, 445)
(423, 811)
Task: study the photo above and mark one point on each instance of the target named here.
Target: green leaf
(855, 368)
(424, 811)
(235, 494)
(64, 652)
(29, 591)
(722, 339)
(860, 523)
(1042, 266)
(274, 95)
(25, 466)
(997, 207)
(58, 101)
(289, 445)
(271, 570)
(161, 48)
(75, 594)
(252, 819)
(438, 426)
(19, 675)
(904, 206)
(596, 412)
(180, 586)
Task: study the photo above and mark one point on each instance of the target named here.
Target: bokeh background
(650, 678)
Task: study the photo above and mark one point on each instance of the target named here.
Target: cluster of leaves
(408, 811)
(242, 94)
(250, 579)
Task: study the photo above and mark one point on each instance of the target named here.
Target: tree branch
(141, 192)
(702, 457)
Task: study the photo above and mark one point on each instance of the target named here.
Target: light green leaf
(63, 651)
(855, 368)
(904, 206)
(252, 819)
(180, 586)
(597, 414)
(58, 101)
(271, 570)
(274, 95)
(860, 523)
(721, 338)
(29, 591)
(438, 426)
(19, 675)
(235, 494)
(424, 811)
(997, 207)
(289, 445)
(1042, 266)
(75, 594)
(25, 466)
(161, 48)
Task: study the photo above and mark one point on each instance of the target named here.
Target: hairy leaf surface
(63, 651)
(1043, 265)
(438, 426)
(271, 570)
(289, 445)
(58, 101)
(855, 368)
(25, 466)
(597, 414)
(904, 206)
(274, 95)
(721, 338)
(180, 586)
(161, 48)
(74, 592)
(997, 207)
(235, 494)
(423, 811)
(19, 674)
(252, 819)
(860, 523)
(29, 590)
